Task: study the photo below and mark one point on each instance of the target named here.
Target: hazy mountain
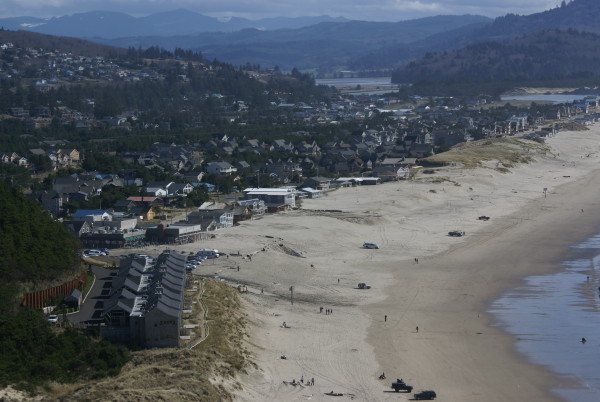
(536, 46)
(60, 43)
(583, 15)
(109, 25)
(326, 45)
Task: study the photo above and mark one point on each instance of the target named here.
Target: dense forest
(33, 247)
(35, 250)
(563, 58)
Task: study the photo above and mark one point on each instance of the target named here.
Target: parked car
(371, 245)
(425, 395)
(456, 233)
(53, 318)
(208, 253)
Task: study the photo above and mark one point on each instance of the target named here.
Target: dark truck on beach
(425, 395)
(400, 385)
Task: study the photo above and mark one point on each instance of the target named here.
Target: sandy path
(456, 351)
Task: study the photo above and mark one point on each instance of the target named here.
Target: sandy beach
(456, 352)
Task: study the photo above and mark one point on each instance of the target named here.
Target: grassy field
(506, 152)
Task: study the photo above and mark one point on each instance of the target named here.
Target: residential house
(71, 154)
(212, 219)
(250, 209)
(391, 173)
(220, 168)
(50, 200)
(317, 182)
(124, 206)
(243, 167)
(158, 188)
(276, 199)
(146, 301)
(193, 177)
(130, 177)
(79, 228)
(179, 189)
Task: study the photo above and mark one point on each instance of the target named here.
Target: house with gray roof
(220, 168)
(146, 301)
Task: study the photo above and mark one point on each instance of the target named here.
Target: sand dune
(317, 251)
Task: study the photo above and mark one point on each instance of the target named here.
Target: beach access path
(316, 255)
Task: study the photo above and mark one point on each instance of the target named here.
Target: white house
(158, 188)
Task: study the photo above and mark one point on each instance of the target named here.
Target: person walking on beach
(312, 381)
(385, 318)
(417, 329)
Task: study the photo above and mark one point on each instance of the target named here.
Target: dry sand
(455, 352)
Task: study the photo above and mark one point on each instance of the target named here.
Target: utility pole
(292, 294)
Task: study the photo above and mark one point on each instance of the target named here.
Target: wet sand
(455, 352)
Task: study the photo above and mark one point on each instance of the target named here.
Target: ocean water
(550, 314)
(555, 98)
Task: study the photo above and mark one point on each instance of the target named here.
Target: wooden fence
(40, 298)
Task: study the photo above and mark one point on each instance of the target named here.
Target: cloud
(380, 10)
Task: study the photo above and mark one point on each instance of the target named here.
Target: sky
(368, 10)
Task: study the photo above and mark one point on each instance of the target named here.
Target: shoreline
(457, 351)
(477, 326)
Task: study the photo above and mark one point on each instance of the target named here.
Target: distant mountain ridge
(556, 44)
(319, 44)
(541, 55)
(111, 25)
(325, 46)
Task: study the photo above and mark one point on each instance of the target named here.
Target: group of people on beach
(327, 310)
(301, 382)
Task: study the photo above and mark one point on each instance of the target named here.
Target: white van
(370, 245)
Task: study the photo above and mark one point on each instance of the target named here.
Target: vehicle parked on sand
(456, 233)
(363, 285)
(484, 218)
(400, 385)
(208, 253)
(425, 395)
(371, 245)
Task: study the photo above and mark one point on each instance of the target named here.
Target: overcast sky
(371, 10)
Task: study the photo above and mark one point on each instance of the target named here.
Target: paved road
(91, 309)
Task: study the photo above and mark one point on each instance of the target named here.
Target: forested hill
(33, 247)
(26, 39)
(583, 15)
(544, 55)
